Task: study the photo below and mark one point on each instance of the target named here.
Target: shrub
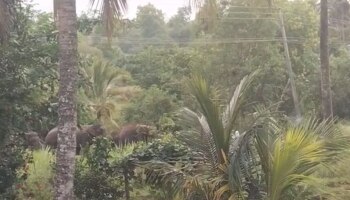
(39, 182)
(95, 177)
(12, 157)
(150, 107)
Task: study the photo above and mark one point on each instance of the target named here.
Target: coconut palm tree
(217, 125)
(266, 159)
(108, 89)
(68, 60)
(220, 134)
(212, 132)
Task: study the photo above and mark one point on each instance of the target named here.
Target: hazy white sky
(169, 7)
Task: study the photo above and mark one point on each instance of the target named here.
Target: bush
(340, 82)
(12, 157)
(165, 149)
(150, 107)
(39, 182)
(95, 177)
(102, 170)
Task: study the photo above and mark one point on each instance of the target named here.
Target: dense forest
(226, 100)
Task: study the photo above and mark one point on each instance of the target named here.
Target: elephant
(84, 136)
(33, 140)
(131, 133)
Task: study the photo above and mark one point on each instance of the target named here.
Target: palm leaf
(211, 112)
(297, 155)
(110, 11)
(232, 110)
(199, 135)
(210, 132)
(213, 126)
(106, 91)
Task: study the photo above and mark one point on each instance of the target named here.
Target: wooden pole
(289, 69)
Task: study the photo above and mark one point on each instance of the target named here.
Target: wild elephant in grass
(131, 133)
(84, 135)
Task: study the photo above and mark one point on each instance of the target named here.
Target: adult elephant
(85, 135)
(131, 133)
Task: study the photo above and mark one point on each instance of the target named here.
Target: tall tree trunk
(66, 141)
(326, 95)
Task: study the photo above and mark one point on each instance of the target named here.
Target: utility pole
(289, 69)
(326, 92)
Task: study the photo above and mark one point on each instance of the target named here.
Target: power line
(221, 41)
(239, 18)
(249, 7)
(251, 12)
(338, 20)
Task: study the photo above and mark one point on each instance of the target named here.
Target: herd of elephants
(84, 136)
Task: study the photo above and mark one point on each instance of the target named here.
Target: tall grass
(39, 182)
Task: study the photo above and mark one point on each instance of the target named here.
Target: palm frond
(165, 173)
(244, 173)
(297, 155)
(106, 91)
(196, 4)
(212, 125)
(231, 113)
(211, 112)
(198, 136)
(209, 141)
(111, 11)
(175, 179)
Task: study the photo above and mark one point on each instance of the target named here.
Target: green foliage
(274, 161)
(111, 12)
(151, 106)
(180, 29)
(153, 160)
(39, 176)
(87, 23)
(28, 79)
(340, 81)
(151, 22)
(269, 158)
(337, 180)
(248, 37)
(28, 82)
(102, 170)
(12, 158)
(166, 148)
(105, 91)
(95, 176)
(299, 154)
(213, 127)
(165, 68)
(148, 29)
